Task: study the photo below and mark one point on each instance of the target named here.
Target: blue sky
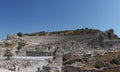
(28, 16)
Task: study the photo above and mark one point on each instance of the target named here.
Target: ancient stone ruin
(69, 51)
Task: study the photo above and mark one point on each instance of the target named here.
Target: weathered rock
(50, 69)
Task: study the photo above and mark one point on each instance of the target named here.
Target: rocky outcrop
(50, 69)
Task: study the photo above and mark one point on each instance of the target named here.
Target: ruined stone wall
(44, 39)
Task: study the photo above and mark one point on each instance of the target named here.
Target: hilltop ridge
(64, 32)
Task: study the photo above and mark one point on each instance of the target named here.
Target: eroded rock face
(105, 39)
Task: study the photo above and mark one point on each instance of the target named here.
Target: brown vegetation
(65, 32)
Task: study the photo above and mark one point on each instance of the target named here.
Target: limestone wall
(44, 39)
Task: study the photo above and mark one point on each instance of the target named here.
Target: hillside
(65, 32)
(71, 50)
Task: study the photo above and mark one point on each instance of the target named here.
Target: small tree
(19, 47)
(19, 34)
(8, 54)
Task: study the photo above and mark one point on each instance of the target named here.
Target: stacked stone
(21, 63)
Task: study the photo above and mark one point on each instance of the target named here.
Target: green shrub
(19, 47)
(105, 65)
(98, 65)
(116, 61)
(8, 54)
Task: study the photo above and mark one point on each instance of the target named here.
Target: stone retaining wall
(44, 39)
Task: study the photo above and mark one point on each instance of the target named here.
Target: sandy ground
(4, 70)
